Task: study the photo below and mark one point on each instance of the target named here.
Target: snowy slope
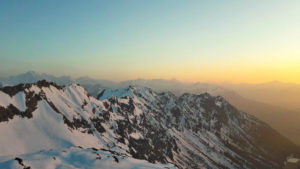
(44, 128)
(190, 131)
(76, 157)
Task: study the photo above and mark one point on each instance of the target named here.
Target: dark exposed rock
(84, 104)
(105, 115)
(20, 161)
(106, 105)
(97, 124)
(31, 100)
(100, 94)
(13, 90)
(44, 83)
(31, 103)
(8, 113)
(78, 123)
(158, 151)
(127, 107)
(116, 159)
(93, 148)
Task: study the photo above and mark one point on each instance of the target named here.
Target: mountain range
(274, 103)
(45, 124)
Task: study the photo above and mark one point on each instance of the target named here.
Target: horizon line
(151, 79)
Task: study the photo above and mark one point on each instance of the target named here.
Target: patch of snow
(17, 100)
(35, 89)
(293, 160)
(136, 136)
(219, 103)
(5, 99)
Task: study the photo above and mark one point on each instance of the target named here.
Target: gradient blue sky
(234, 41)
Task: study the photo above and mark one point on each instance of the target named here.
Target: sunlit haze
(229, 41)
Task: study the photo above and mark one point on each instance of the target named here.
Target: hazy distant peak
(32, 73)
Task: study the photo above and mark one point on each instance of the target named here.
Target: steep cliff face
(190, 131)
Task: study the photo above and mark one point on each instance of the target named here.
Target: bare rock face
(190, 131)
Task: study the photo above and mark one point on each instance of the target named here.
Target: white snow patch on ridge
(136, 136)
(293, 160)
(17, 100)
(218, 103)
